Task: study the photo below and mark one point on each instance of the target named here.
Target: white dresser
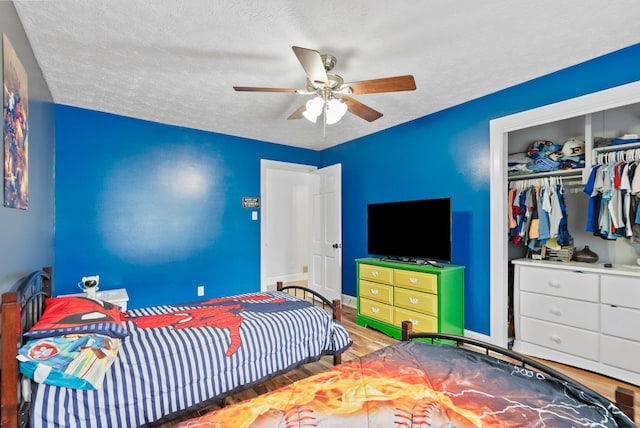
(580, 314)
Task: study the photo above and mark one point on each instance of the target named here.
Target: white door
(325, 264)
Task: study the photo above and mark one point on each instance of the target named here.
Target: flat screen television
(410, 231)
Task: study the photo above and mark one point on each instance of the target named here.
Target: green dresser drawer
(425, 303)
(375, 291)
(376, 273)
(420, 281)
(376, 310)
(421, 323)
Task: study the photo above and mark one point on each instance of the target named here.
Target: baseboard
(349, 301)
(477, 336)
(270, 283)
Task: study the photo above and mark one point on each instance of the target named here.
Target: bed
(448, 381)
(170, 360)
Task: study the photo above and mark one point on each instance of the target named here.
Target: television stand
(392, 292)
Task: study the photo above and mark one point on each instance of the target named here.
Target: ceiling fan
(332, 94)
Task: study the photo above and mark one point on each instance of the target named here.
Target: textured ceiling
(175, 61)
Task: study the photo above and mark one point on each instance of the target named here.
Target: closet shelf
(564, 173)
(617, 148)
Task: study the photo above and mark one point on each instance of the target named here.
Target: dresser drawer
(559, 310)
(620, 353)
(377, 310)
(375, 291)
(420, 281)
(425, 303)
(620, 290)
(620, 322)
(561, 283)
(376, 273)
(559, 337)
(421, 322)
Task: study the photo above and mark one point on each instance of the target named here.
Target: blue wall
(157, 208)
(26, 236)
(446, 154)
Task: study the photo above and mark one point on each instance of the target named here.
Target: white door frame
(265, 165)
(499, 129)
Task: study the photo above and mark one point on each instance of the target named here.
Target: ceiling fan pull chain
(324, 120)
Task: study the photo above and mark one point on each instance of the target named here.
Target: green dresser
(390, 292)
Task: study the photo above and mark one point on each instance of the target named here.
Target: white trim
(349, 301)
(294, 277)
(265, 165)
(477, 336)
(498, 135)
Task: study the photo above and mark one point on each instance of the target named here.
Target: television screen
(411, 231)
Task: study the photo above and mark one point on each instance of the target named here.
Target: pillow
(73, 361)
(78, 315)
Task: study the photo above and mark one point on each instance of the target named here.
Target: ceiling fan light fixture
(314, 109)
(332, 94)
(344, 90)
(336, 108)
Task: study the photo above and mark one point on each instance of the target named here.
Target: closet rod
(619, 147)
(565, 174)
(621, 155)
(569, 184)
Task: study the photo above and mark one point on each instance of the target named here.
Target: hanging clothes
(613, 188)
(537, 212)
(564, 238)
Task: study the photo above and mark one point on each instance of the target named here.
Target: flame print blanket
(413, 384)
(178, 356)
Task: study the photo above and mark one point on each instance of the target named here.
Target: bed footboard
(21, 309)
(334, 307)
(624, 398)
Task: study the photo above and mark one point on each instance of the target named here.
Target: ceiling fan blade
(298, 113)
(312, 63)
(361, 110)
(255, 89)
(386, 84)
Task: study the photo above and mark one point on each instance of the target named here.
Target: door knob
(337, 245)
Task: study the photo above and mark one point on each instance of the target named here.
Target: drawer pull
(413, 300)
(374, 273)
(414, 322)
(375, 310)
(553, 283)
(413, 280)
(555, 311)
(556, 338)
(374, 291)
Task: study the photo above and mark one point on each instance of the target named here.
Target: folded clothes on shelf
(626, 139)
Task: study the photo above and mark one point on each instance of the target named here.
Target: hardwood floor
(366, 340)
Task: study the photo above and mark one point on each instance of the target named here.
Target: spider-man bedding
(172, 358)
(414, 384)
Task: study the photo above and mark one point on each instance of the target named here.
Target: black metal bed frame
(624, 398)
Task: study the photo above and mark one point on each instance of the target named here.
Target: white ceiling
(175, 61)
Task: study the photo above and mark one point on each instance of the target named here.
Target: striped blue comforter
(179, 356)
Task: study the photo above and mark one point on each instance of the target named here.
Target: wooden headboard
(21, 309)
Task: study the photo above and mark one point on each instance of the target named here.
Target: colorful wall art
(15, 127)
